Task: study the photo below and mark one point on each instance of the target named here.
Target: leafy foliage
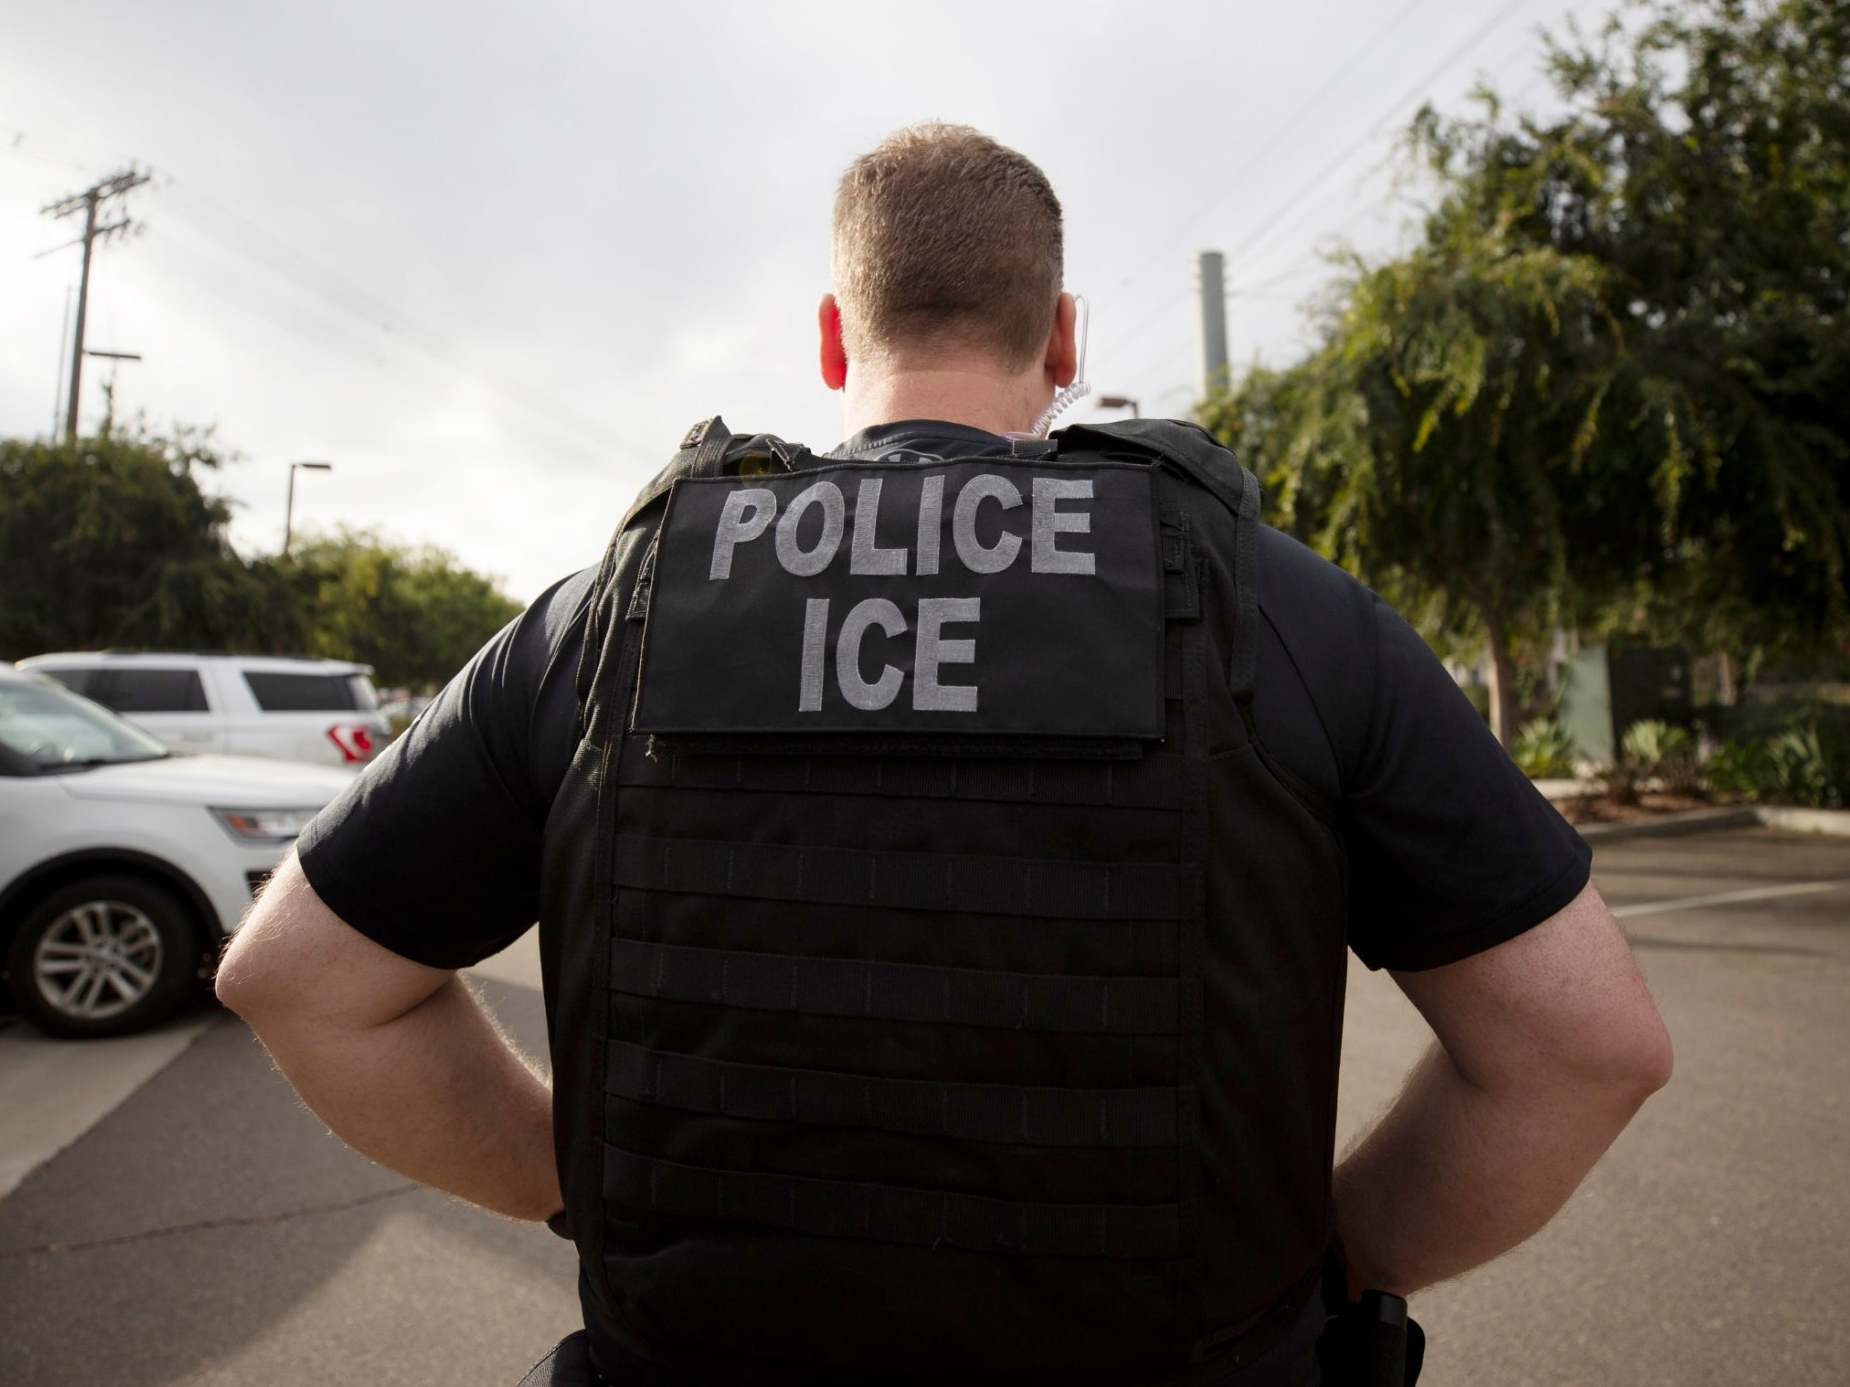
(1786, 754)
(1806, 766)
(1666, 751)
(1544, 749)
(1611, 383)
(415, 614)
(113, 543)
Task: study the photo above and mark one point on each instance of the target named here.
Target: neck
(978, 397)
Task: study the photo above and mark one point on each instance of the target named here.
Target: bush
(1734, 769)
(1661, 749)
(1543, 749)
(1619, 779)
(1807, 766)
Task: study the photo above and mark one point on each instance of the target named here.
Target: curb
(1674, 825)
(1835, 822)
(1830, 822)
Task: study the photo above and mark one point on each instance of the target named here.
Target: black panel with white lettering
(989, 597)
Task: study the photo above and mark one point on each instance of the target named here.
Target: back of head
(946, 242)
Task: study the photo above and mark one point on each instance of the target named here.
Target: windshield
(56, 730)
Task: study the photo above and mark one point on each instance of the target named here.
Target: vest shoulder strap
(1189, 448)
(710, 449)
(1195, 452)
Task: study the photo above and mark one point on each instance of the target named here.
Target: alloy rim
(97, 960)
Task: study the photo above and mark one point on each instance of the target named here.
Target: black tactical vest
(944, 980)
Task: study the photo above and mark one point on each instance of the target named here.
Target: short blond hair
(945, 239)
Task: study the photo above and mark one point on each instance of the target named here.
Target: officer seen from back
(946, 851)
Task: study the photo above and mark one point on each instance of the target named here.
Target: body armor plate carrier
(944, 978)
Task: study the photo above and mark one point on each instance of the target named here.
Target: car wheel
(103, 956)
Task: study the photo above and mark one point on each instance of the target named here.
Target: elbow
(1633, 1068)
(1655, 1060)
(233, 985)
(245, 981)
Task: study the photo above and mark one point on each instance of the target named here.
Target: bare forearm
(438, 1094)
(1456, 1174)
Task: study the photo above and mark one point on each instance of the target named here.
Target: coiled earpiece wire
(1080, 388)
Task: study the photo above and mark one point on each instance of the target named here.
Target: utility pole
(109, 386)
(57, 381)
(1211, 286)
(289, 506)
(90, 201)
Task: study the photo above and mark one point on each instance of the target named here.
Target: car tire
(105, 955)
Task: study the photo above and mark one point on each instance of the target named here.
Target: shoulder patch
(975, 597)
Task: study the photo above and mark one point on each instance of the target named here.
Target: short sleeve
(1451, 849)
(434, 851)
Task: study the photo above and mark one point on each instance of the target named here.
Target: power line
(1460, 51)
(1265, 147)
(1305, 263)
(377, 313)
(261, 245)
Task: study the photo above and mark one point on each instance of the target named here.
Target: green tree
(1610, 384)
(112, 542)
(1705, 165)
(412, 612)
(1439, 442)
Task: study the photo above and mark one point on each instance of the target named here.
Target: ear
(833, 357)
(1062, 362)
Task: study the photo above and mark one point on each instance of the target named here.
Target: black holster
(1372, 1342)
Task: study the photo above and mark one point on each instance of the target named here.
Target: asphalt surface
(207, 1230)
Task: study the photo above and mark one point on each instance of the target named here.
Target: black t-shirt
(434, 851)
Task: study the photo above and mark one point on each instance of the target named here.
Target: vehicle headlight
(264, 825)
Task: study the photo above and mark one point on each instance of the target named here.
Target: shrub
(1543, 748)
(1663, 750)
(1734, 769)
(1807, 766)
(1805, 769)
(1619, 779)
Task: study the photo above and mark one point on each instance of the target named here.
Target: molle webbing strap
(1194, 452)
(904, 991)
(1246, 583)
(1131, 1117)
(598, 630)
(702, 451)
(616, 665)
(1056, 888)
(1155, 782)
(891, 1214)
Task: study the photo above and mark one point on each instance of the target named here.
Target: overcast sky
(491, 261)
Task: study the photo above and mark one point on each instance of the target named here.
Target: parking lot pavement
(207, 1231)
(52, 1094)
(1708, 1247)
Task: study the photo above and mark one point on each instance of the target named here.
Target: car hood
(231, 782)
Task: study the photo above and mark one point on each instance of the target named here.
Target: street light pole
(289, 506)
(1121, 402)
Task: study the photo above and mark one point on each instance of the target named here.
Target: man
(944, 854)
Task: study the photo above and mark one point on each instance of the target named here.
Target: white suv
(123, 867)
(247, 705)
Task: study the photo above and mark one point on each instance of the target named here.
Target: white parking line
(1751, 893)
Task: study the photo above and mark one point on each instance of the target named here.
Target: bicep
(1563, 1000)
(295, 960)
